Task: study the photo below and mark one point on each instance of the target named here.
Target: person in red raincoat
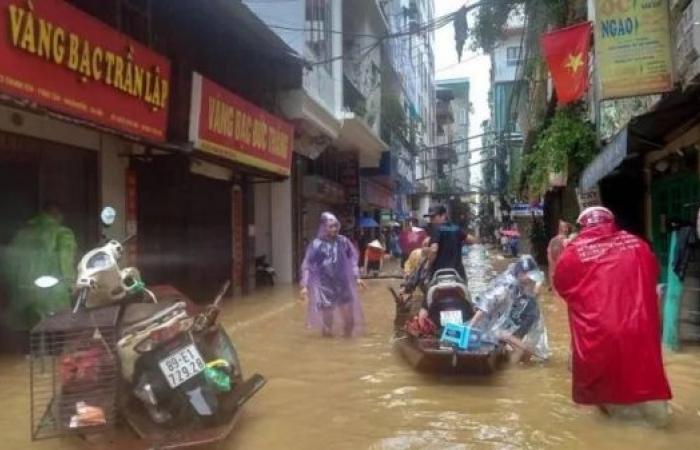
(608, 279)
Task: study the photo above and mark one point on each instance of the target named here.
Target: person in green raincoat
(44, 246)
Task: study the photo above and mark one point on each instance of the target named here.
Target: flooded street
(359, 394)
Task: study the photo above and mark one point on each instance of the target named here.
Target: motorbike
(448, 303)
(264, 272)
(130, 355)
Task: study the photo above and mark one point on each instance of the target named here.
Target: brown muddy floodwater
(359, 394)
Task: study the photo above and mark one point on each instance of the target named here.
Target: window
(462, 116)
(319, 21)
(513, 56)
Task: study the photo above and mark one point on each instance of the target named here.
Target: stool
(457, 335)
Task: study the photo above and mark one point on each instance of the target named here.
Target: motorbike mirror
(46, 281)
(108, 215)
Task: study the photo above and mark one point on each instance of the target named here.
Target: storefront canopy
(644, 133)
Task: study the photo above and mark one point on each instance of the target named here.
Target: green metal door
(675, 197)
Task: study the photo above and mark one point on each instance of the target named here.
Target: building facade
(461, 106)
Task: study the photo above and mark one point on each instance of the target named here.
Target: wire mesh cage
(73, 373)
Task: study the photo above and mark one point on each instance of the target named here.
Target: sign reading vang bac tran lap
(65, 60)
(223, 124)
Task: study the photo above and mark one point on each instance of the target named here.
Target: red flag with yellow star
(566, 52)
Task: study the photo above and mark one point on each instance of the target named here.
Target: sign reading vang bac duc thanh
(223, 124)
(633, 47)
(65, 60)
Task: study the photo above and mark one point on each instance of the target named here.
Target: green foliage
(567, 143)
(394, 117)
(492, 17)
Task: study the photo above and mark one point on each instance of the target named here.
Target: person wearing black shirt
(446, 241)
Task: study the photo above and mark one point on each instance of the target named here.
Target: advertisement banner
(633, 47)
(223, 124)
(65, 60)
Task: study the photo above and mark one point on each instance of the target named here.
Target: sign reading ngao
(633, 47)
(66, 60)
(224, 124)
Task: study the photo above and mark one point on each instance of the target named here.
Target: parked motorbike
(264, 272)
(149, 358)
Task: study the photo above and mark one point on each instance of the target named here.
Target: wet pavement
(359, 394)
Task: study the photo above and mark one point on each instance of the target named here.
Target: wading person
(44, 246)
(374, 258)
(509, 310)
(608, 279)
(556, 247)
(329, 281)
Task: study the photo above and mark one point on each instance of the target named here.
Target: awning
(643, 134)
(612, 156)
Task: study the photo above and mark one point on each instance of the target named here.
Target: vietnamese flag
(566, 52)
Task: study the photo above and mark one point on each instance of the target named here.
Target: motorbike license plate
(451, 317)
(181, 365)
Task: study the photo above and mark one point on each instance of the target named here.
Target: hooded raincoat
(42, 247)
(608, 279)
(329, 273)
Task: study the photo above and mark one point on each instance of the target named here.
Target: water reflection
(359, 394)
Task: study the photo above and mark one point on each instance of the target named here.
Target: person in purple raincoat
(329, 281)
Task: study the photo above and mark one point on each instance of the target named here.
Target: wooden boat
(429, 356)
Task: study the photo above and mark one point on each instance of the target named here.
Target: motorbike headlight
(99, 260)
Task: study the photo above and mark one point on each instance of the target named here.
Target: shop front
(197, 212)
(320, 195)
(75, 97)
(376, 198)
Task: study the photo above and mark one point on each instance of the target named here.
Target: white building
(325, 113)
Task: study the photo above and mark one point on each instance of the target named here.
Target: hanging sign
(587, 198)
(225, 125)
(633, 47)
(59, 57)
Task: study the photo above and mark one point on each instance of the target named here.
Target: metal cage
(74, 373)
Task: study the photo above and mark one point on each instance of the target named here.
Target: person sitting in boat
(416, 259)
(329, 278)
(510, 312)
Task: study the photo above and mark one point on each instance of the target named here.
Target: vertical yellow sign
(633, 47)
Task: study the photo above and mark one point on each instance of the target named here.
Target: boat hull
(427, 356)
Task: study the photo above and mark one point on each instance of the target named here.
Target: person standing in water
(608, 279)
(555, 249)
(44, 246)
(329, 280)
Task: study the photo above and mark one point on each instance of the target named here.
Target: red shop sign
(224, 124)
(68, 61)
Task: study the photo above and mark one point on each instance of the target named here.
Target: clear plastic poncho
(505, 301)
(329, 273)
